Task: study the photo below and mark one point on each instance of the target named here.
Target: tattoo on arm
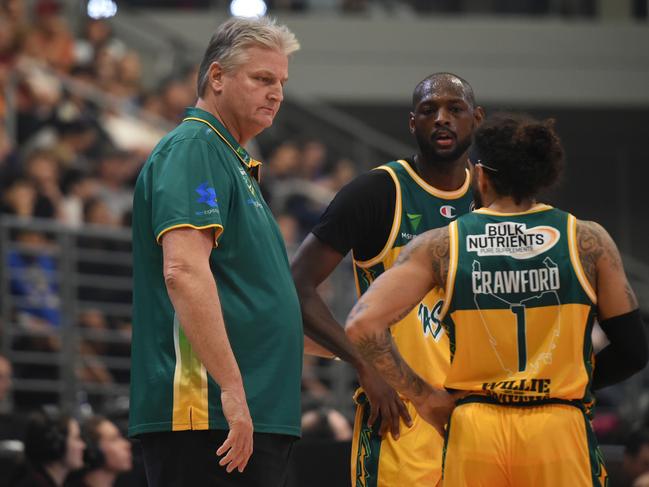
(630, 295)
(403, 314)
(358, 308)
(594, 244)
(380, 351)
(439, 254)
(436, 243)
(591, 248)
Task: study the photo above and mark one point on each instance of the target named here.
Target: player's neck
(506, 204)
(447, 176)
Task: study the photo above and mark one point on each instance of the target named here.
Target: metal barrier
(65, 316)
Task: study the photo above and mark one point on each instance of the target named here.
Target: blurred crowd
(76, 124)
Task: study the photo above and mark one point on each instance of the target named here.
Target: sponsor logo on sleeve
(207, 195)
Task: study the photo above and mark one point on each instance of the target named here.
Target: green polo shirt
(198, 176)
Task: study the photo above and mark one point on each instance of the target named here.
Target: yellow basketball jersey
(519, 308)
(419, 207)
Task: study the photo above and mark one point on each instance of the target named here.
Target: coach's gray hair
(230, 41)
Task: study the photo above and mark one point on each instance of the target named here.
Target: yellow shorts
(488, 445)
(414, 460)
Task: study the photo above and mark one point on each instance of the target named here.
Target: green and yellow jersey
(419, 207)
(519, 308)
(198, 176)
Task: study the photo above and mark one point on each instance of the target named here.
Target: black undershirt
(360, 216)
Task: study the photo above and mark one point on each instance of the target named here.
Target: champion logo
(447, 211)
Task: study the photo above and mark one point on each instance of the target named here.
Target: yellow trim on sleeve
(535, 209)
(576, 261)
(453, 245)
(218, 230)
(439, 193)
(396, 222)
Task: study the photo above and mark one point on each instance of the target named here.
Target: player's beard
(431, 154)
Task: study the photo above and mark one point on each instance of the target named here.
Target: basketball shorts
(414, 460)
(489, 445)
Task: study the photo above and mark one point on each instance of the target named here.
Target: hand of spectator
(237, 447)
(384, 401)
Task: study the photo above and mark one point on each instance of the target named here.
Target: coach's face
(253, 91)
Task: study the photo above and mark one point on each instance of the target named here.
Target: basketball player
(375, 216)
(524, 282)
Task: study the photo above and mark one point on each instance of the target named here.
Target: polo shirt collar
(252, 165)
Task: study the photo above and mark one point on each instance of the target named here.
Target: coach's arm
(192, 289)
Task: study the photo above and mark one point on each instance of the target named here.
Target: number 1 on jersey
(519, 311)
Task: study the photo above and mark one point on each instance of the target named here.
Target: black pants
(188, 459)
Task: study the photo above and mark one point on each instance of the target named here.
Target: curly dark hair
(522, 155)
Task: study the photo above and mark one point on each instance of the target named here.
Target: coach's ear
(215, 77)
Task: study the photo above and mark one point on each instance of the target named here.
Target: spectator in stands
(107, 454)
(5, 380)
(97, 34)
(92, 348)
(175, 95)
(19, 199)
(79, 190)
(116, 169)
(34, 284)
(313, 159)
(53, 449)
(50, 40)
(343, 172)
(635, 463)
(42, 169)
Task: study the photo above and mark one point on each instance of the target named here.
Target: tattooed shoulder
(595, 243)
(435, 243)
(589, 243)
(439, 252)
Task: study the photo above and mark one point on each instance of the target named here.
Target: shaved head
(443, 82)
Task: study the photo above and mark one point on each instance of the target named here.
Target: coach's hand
(237, 447)
(384, 401)
(435, 406)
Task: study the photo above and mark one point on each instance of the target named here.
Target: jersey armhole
(396, 223)
(576, 261)
(218, 230)
(453, 247)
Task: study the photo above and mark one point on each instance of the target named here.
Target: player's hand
(237, 447)
(384, 401)
(435, 406)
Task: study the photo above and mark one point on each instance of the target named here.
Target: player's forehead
(443, 89)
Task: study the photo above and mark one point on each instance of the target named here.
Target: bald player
(375, 216)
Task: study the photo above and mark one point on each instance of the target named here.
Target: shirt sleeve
(360, 216)
(190, 188)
